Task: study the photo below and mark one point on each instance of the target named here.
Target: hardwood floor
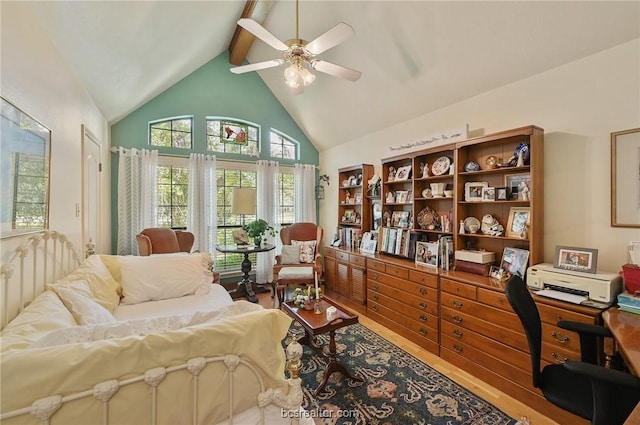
(513, 407)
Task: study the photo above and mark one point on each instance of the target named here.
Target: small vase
(257, 241)
(308, 305)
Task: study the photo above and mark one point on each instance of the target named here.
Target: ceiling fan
(300, 54)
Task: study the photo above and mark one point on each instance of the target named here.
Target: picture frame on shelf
(427, 254)
(357, 198)
(501, 194)
(473, 191)
(349, 216)
(514, 183)
(576, 259)
(401, 196)
(514, 261)
(518, 223)
(488, 194)
(403, 173)
(391, 197)
(376, 208)
(353, 181)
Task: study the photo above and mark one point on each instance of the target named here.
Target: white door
(91, 183)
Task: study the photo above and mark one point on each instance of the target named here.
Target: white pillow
(84, 309)
(307, 250)
(163, 276)
(290, 254)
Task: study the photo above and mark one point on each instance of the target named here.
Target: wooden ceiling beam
(242, 39)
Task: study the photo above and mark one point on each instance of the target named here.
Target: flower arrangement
(303, 297)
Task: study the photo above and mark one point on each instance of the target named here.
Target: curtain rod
(116, 149)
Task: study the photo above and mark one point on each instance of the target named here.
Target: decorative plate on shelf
(426, 193)
(427, 218)
(441, 166)
(471, 224)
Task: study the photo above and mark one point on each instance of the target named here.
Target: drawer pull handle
(375, 298)
(375, 287)
(375, 276)
(457, 304)
(457, 319)
(423, 331)
(457, 348)
(423, 291)
(375, 308)
(457, 333)
(423, 318)
(557, 357)
(423, 305)
(562, 339)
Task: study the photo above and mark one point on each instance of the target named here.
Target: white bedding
(216, 297)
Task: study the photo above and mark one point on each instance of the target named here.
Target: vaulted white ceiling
(415, 56)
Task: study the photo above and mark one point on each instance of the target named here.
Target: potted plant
(257, 229)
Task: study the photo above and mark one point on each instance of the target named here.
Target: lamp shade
(243, 201)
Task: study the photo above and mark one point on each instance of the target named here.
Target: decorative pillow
(307, 250)
(44, 314)
(290, 254)
(84, 309)
(102, 286)
(163, 276)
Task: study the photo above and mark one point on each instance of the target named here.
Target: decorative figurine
(392, 174)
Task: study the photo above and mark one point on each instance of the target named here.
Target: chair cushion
(307, 250)
(568, 390)
(296, 273)
(290, 254)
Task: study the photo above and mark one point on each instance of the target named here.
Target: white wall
(36, 79)
(578, 105)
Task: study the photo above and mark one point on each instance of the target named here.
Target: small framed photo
(514, 261)
(358, 198)
(576, 259)
(349, 216)
(403, 172)
(497, 273)
(501, 194)
(518, 224)
(427, 254)
(391, 197)
(488, 193)
(473, 191)
(515, 184)
(401, 196)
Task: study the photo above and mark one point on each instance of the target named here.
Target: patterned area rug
(397, 389)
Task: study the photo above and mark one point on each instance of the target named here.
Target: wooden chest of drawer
(458, 288)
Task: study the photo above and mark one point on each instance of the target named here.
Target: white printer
(577, 287)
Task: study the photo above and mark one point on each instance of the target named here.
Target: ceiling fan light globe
(307, 77)
(291, 73)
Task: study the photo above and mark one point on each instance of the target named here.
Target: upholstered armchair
(300, 258)
(163, 240)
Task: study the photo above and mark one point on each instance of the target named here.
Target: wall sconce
(320, 188)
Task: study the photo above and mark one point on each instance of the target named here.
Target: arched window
(172, 133)
(283, 146)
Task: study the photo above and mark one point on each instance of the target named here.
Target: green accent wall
(211, 90)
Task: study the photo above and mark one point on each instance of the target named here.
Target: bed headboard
(43, 258)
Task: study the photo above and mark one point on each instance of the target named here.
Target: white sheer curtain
(304, 183)
(137, 199)
(202, 201)
(268, 205)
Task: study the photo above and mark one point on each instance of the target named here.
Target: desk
(245, 286)
(625, 328)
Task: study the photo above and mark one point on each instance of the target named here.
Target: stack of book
(629, 303)
(472, 261)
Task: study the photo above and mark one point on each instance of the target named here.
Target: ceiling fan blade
(333, 37)
(336, 70)
(259, 31)
(256, 66)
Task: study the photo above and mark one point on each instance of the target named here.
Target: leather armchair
(163, 240)
(300, 273)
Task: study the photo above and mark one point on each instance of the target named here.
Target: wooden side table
(317, 324)
(245, 287)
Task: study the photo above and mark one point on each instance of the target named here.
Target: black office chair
(603, 396)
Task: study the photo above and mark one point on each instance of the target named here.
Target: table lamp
(243, 202)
